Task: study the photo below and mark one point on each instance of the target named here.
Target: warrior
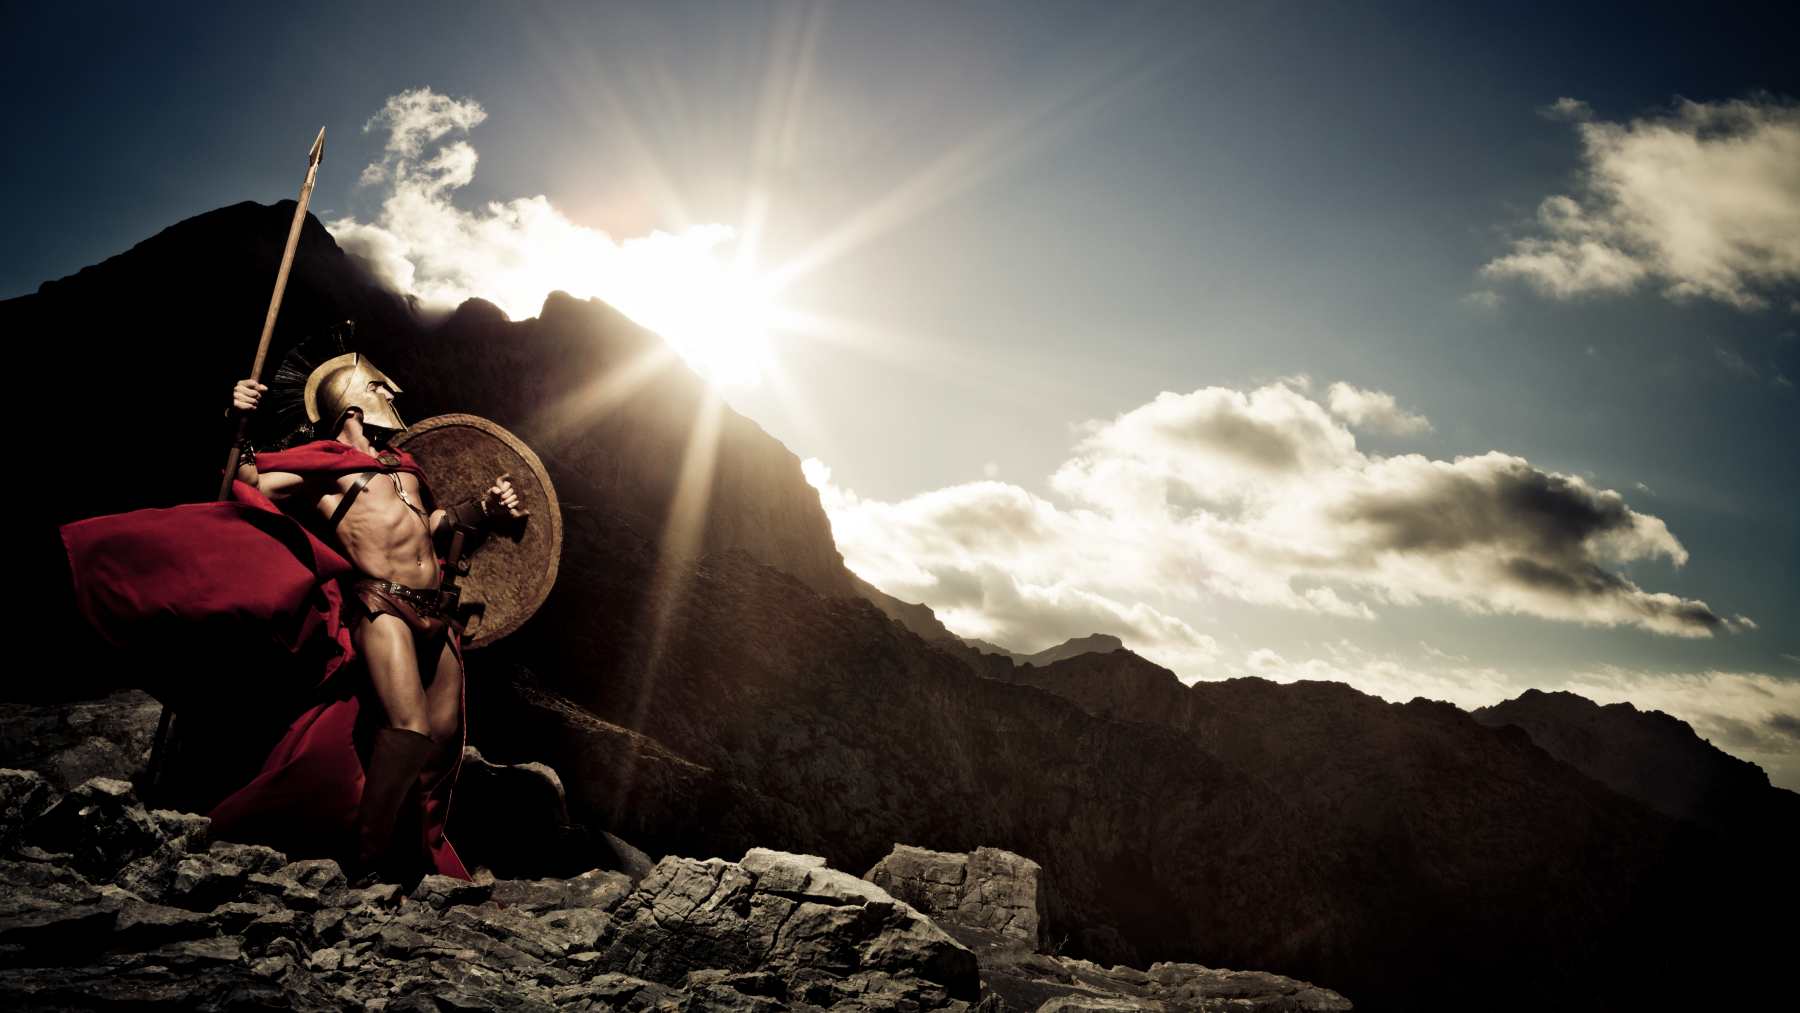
(370, 502)
(333, 549)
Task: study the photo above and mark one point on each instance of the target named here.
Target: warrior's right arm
(273, 484)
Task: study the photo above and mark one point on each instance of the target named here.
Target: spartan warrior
(364, 774)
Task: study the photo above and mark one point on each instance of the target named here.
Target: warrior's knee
(417, 723)
(445, 729)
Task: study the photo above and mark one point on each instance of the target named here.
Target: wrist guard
(469, 514)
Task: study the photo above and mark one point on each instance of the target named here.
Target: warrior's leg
(386, 645)
(401, 750)
(444, 698)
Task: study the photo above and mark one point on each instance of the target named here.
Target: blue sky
(1007, 228)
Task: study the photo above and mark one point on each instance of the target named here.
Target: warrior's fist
(502, 496)
(246, 394)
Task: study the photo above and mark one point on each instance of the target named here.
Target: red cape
(183, 587)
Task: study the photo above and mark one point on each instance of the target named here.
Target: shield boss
(514, 566)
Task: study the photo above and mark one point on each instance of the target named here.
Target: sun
(712, 309)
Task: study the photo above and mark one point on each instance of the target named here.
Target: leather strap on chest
(356, 487)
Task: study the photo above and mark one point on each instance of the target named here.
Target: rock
(99, 823)
(262, 932)
(189, 829)
(304, 886)
(787, 914)
(75, 741)
(233, 917)
(221, 872)
(24, 795)
(988, 889)
(598, 889)
(144, 925)
(446, 891)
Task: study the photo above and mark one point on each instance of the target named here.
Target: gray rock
(988, 889)
(304, 886)
(99, 823)
(72, 742)
(446, 891)
(787, 914)
(144, 925)
(24, 795)
(597, 889)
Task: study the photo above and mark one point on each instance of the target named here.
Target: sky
(1442, 349)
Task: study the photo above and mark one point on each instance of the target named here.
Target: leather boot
(395, 762)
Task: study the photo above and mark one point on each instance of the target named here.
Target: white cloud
(1485, 298)
(1447, 678)
(1704, 201)
(1572, 110)
(421, 116)
(1374, 410)
(1262, 497)
(515, 252)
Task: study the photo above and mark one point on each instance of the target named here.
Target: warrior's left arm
(477, 512)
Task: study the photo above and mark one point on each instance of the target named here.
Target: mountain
(1651, 757)
(707, 677)
(1094, 643)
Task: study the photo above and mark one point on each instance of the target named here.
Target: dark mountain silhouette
(1093, 643)
(712, 680)
(1651, 757)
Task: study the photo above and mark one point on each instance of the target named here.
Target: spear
(158, 746)
(313, 159)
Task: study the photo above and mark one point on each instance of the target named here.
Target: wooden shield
(513, 567)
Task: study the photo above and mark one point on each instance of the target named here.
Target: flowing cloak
(202, 594)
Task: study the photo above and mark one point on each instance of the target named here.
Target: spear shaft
(160, 745)
(313, 159)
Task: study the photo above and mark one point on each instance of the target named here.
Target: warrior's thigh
(386, 645)
(445, 696)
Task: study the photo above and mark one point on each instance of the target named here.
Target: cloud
(1704, 201)
(1735, 363)
(989, 558)
(1261, 497)
(419, 117)
(1374, 410)
(515, 252)
(1485, 298)
(1570, 110)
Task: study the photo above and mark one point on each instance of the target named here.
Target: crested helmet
(345, 382)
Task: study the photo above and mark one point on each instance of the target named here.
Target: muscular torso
(381, 535)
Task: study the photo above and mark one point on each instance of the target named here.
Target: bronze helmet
(348, 381)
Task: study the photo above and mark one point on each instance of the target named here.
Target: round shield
(512, 566)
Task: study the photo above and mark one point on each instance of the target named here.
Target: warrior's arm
(478, 512)
(277, 485)
(273, 484)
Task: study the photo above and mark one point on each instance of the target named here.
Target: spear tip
(318, 149)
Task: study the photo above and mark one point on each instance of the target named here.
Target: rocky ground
(107, 904)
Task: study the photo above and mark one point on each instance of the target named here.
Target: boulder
(827, 935)
(987, 889)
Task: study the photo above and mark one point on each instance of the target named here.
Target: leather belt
(429, 602)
